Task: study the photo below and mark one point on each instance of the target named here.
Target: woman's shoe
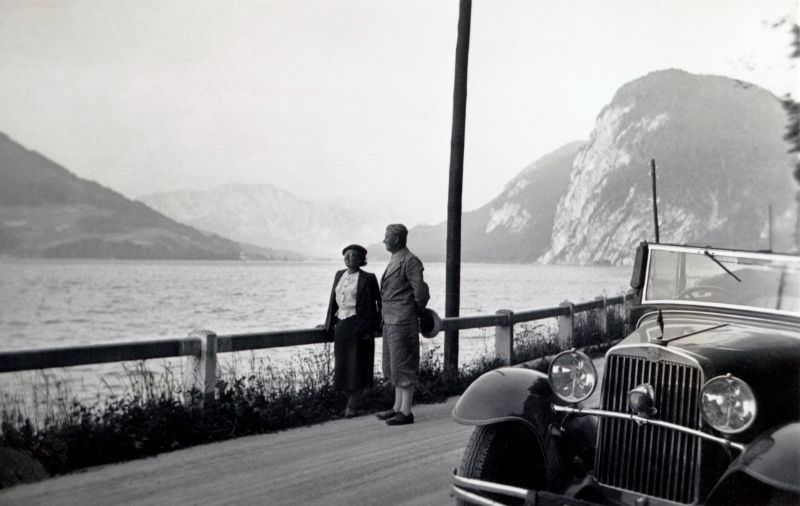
(385, 415)
(401, 419)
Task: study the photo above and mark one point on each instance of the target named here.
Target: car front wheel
(506, 453)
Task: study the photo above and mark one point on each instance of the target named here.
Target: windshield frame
(712, 253)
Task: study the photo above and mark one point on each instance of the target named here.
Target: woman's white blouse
(346, 290)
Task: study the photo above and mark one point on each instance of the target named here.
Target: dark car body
(704, 321)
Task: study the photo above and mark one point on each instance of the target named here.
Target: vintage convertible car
(700, 404)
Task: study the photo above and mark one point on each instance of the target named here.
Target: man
(404, 294)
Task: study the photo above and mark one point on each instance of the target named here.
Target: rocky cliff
(721, 164)
(513, 227)
(723, 174)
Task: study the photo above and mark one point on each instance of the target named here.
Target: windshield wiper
(709, 255)
(781, 283)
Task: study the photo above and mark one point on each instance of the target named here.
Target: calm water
(56, 302)
(45, 303)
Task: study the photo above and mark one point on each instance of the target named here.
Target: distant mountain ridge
(46, 211)
(266, 214)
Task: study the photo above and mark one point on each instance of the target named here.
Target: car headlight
(728, 404)
(572, 376)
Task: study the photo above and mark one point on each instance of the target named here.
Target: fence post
(504, 338)
(626, 314)
(601, 317)
(566, 326)
(205, 365)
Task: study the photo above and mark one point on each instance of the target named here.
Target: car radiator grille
(648, 459)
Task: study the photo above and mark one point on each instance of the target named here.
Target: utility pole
(453, 258)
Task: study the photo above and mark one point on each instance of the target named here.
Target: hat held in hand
(429, 323)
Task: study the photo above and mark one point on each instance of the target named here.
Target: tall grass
(156, 414)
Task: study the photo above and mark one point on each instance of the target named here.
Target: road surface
(360, 461)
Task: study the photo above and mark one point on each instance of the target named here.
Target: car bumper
(474, 491)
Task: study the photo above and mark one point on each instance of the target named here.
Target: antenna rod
(769, 218)
(655, 203)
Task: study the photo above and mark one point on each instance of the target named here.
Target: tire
(506, 453)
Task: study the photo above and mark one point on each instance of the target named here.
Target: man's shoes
(400, 419)
(385, 415)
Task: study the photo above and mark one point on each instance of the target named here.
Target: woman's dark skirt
(354, 356)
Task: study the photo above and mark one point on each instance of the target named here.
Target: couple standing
(358, 309)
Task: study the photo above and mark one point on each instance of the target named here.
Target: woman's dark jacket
(368, 303)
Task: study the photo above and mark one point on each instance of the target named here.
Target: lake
(62, 302)
(47, 303)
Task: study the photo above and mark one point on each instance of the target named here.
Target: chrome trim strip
(698, 250)
(646, 421)
(712, 315)
(474, 498)
(488, 486)
(691, 303)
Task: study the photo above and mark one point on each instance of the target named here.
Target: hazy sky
(342, 99)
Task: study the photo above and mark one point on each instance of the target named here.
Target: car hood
(765, 354)
(722, 343)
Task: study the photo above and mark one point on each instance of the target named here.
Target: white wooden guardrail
(204, 345)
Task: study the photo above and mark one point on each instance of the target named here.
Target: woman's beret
(357, 247)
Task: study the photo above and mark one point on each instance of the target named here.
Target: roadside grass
(156, 415)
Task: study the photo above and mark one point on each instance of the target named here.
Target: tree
(792, 109)
(792, 134)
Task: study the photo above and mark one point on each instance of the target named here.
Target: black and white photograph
(416, 252)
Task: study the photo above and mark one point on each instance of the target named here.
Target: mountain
(724, 179)
(721, 163)
(513, 227)
(723, 174)
(266, 214)
(46, 211)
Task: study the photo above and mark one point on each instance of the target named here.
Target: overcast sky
(336, 99)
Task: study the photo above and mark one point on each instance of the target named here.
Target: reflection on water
(46, 303)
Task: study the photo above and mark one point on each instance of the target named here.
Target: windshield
(704, 276)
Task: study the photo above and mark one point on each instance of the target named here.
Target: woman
(354, 318)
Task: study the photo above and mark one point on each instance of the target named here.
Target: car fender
(515, 394)
(506, 394)
(773, 459)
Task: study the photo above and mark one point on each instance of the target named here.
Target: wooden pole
(566, 326)
(453, 257)
(205, 364)
(504, 338)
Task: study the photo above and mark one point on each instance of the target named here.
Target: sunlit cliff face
(720, 165)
